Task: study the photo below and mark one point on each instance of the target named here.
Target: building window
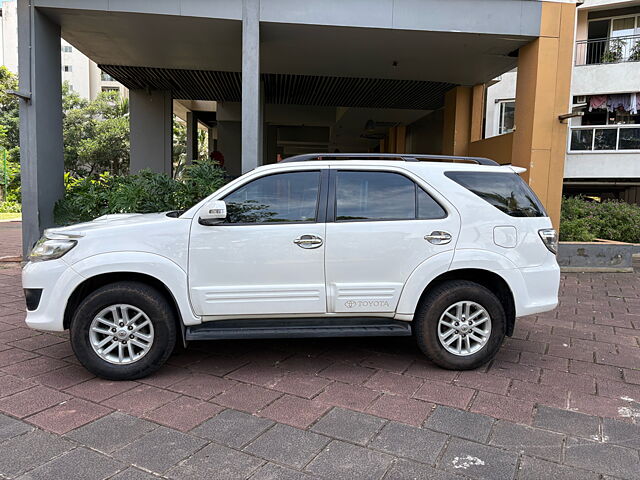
(610, 40)
(67, 48)
(506, 116)
(67, 68)
(105, 77)
(110, 89)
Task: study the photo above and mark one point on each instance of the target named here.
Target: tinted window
(285, 197)
(382, 196)
(505, 191)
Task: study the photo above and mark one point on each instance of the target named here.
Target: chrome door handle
(308, 241)
(438, 237)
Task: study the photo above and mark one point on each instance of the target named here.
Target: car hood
(107, 221)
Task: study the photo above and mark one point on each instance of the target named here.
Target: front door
(267, 258)
(380, 227)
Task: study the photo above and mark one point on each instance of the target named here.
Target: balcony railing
(608, 50)
(605, 138)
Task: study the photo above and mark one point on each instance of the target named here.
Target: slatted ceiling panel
(287, 89)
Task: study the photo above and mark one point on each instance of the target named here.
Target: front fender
(156, 266)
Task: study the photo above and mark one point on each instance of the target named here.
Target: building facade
(272, 78)
(83, 76)
(603, 141)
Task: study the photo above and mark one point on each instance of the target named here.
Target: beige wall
(498, 148)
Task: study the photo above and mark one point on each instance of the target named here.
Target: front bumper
(57, 280)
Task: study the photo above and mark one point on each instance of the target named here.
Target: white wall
(610, 78)
(9, 35)
(504, 89)
(602, 165)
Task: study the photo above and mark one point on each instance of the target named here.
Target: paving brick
(536, 469)
(499, 406)
(305, 364)
(140, 399)
(271, 471)
(64, 377)
(602, 458)
(348, 396)
(574, 383)
(10, 427)
(401, 409)
(445, 394)
(68, 415)
(483, 381)
(248, 398)
(631, 376)
(159, 449)
(617, 360)
(10, 385)
(414, 443)
(460, 423)
(348, 425)
(111, 432)
(79, 463)
(342, 460)
(258, 373)
(133, 474)
(621, 433)
(595, 370)
(59, 350)
(216, 461)
(424, 369)
(184, 413)
(478, 461)
(306, 386)
(28, 402)
(166, 376)
(295, 411)
(596, 405)
(408, 469)
(33, 367)
(388, 362)
(347, 373)
(515, 371)
(572, 352)
(568, 422)
(524, 345)
(393, 383)
(233, 428)
(14, 355)
(544, 361)
(551, 395)
(616, 389)
(202, 386)
(527, 440)
(98, 389)
(218, 365)
(287, 445)
(28, 451)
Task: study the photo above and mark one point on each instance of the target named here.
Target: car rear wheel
(460, 325)
(123, 331)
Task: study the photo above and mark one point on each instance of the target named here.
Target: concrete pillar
(151, 117)
(456, 133)
(477, 112)
(192, 137)
(41, 148)
(543, 93)
(230, 145)
(251, 89)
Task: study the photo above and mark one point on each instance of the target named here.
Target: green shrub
(10, 207)
(144, 192)
(583, 220)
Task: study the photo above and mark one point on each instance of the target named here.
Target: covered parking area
(272, 78)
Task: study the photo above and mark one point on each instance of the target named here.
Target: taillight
(550, 239)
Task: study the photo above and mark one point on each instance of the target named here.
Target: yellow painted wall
(496, 148)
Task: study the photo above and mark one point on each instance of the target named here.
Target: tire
(445, 298)
(146, 346)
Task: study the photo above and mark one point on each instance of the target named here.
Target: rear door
(380, 226)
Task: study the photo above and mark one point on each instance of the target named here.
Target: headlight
(51, 248)
(550, 239)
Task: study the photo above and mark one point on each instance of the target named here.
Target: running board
(298, 328)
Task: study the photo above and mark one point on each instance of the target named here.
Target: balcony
(608, 50)
(605, 138)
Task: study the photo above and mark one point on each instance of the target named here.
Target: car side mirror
(213, 213)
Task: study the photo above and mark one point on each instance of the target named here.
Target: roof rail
(406, 157)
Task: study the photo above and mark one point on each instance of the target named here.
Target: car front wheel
(460, 325)
(123, 331)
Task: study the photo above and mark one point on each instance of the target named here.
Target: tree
(96, 134)
(9, 138)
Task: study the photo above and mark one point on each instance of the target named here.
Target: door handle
(308, 241)
(438, 237)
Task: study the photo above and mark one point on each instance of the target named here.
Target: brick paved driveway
(561, 400)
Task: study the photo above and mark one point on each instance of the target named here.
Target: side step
(298, 328)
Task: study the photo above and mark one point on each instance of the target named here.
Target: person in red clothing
(217, 156)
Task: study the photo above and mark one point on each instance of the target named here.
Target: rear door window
(505, 191)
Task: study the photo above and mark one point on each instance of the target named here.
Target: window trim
(332, 206)
(321, 203)
(499, 118)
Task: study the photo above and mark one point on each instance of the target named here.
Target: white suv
(448, 249)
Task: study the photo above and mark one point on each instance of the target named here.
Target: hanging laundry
(597, 101)
(619, 101)
(637, 102)
(633, 108)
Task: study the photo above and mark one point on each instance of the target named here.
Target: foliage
(180, 146)
(10, 207)
(614, 51)
(583, 220)
(87, 198)
(96, 133)
(634, 54)
(9, 125)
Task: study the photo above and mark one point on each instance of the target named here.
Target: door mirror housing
(213, 213)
